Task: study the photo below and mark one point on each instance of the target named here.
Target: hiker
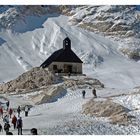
(14, 121)
(69, 74)
(7, 104)
(83, 93)
(18, 111)
(10, 112)
(94, 93)
(26, 110)
(19, 125)
(1, 129)
(6, 127)
(6, 119)
(34, 131)
(1, 112)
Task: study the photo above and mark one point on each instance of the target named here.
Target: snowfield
(64, 116)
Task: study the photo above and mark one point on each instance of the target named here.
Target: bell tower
(66, 43)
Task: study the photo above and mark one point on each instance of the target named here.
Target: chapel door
(70, 68)
(67, 68)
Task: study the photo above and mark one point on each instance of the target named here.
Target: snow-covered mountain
(106, 38)
(29, 34)
(116, 20)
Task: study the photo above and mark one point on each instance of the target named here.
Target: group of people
(93, 92)
(15, 121)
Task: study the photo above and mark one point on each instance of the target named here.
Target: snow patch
(26, 66)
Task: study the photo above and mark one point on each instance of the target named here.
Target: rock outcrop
(110, 20)
(82, 83)
(107, 108)
(33, 79)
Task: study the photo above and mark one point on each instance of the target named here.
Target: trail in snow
(64, 116)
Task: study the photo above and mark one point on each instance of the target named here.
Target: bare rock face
(15, 14)
(82, 83)
(110, 20)
(133, 53)
(35, 78)
(106, 108)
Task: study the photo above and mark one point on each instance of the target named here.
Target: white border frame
(69, 2)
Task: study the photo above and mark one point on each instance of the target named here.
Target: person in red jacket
(14, 121)
(10, 112)
(1, 112)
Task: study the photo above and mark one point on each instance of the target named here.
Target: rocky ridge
(33, 79)
(38, 79)
(117, 113)
(122, 21)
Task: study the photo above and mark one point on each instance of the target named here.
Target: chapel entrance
(67, 68)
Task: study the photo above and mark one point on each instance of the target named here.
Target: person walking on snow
(7, 104)
(94, 93)
(26, 110)
(6, 119)
(69, 74)
(19, 125)
(1, 129)
(1, 112)
(18, 111)
(6, 127)
(14, 121)
(10, 112)
(83, 94)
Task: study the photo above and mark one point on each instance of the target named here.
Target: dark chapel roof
(63, 55)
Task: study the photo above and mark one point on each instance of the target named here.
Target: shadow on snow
(30, 23)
